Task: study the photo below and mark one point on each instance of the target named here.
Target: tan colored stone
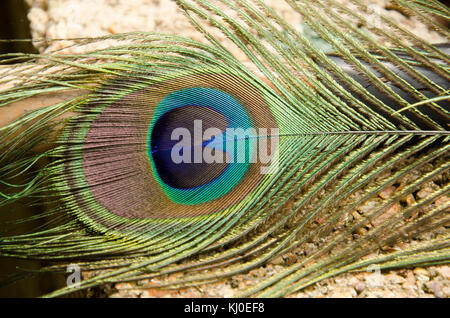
(389, 213)
(387, 192)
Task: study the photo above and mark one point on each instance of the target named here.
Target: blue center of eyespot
(192, 181)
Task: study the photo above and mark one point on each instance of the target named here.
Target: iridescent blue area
(194, 183)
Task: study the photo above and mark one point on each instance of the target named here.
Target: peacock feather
(164, 158)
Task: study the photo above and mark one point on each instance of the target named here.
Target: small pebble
(367, 206)
(359, 287)
(277, 260)
(420, 271)
(423, 193)
(387, 192)
(409, 199)
(389, 213)
(444, 271)
(434, 287)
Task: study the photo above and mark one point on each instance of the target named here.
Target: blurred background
(50, 19)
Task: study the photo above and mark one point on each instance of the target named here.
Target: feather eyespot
(126, 164)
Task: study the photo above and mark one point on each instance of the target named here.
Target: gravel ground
(65, 19)
(427, 282)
